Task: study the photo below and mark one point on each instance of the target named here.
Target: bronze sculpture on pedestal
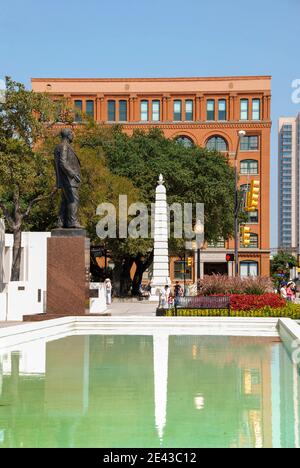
(68, 179)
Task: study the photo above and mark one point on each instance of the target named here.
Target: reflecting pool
(149, 391)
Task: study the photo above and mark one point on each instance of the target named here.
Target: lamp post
(199, 230)
(241, 134)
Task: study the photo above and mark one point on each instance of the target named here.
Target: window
(217, 245)
(89, 109)
(185, 141)
(249, 143)
(144, 111)
(78, 110)
(177, 110)
(111, 111)
(189, 110)
(248, 269)
(222, 109)
(255, 109)
(217, 143)
(156, 111)
(249, 166)
(253, 242)
(179, 268)
(253, 216)
(210, 109)
(123, 111)
(244, 109)
(245, 187)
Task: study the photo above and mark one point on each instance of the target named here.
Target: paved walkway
(141, 308)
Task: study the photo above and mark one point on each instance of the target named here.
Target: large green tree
(192, 175)
(281, 263)
(25, 117)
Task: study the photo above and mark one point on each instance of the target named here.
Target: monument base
(68, 275)
(68, 272)
(73, 232)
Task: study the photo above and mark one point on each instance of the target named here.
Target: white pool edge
(286, 329)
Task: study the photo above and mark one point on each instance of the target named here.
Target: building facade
(288, 183)
(207, 112)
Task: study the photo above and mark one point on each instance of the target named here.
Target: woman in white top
(164, 297)
(283, 292)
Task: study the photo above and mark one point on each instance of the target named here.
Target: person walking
(283, 292)
(164, 297)
(108, 290)
(290, 291)
(177, 293)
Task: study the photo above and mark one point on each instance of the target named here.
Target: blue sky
(138, 38)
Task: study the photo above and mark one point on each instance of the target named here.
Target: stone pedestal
(68, 274)
(68, 260)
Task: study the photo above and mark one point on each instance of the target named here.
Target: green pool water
(149, 391)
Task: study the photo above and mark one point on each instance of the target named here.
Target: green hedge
(289, 311)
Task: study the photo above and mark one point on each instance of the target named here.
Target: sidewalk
(142, 308)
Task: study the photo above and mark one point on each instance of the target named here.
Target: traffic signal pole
(236, 207)
(236, 214)
(184, 273)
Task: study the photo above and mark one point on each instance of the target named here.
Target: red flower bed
(251, 302)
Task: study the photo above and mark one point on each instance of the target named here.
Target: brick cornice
(201, 125)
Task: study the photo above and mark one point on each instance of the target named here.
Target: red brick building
(203, 111)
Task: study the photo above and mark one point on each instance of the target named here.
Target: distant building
(207, 112)
(288, 183)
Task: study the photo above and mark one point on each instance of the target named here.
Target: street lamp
(199, 230)
(241, 134)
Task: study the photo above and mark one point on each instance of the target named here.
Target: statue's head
(67, 134)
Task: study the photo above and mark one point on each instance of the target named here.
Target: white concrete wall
(26, 296)
(98, 305)
(3, 301)
(2, 250)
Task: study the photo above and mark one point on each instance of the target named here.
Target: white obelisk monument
(160, 276)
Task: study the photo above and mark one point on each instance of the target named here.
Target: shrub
(220, 284)
(290, 310)
(254, 302)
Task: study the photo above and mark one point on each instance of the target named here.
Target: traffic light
(252, 196)
(245, 235)
(189, 261)
(229, 257)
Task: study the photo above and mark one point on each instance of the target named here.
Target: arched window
(249, 166)
(245, 187)
(217, 143)
(185, 141)
(248, 269)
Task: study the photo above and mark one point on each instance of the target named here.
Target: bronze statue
(68, 178)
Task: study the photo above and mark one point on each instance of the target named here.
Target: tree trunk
(126, 278)
(141, 267)
(16, 263)
(116, 283)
